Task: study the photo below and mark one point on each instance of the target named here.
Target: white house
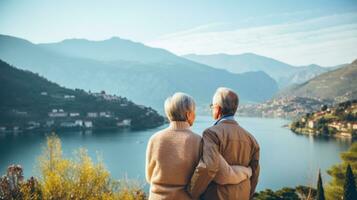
(69, 96)
(79, 122)
(74, 114)
(57, 114)
(311, 123)
(124, 123)
(92, 114)
(88, 124)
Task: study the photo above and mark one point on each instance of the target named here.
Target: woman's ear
(190, 116)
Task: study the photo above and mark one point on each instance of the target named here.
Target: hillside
(29, 101)
(143, 81)
(283, 73)
(338, 85)
(339, 120)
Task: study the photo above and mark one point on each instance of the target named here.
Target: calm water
(287, 159)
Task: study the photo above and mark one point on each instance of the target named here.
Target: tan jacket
(171, 157)
(238, 147)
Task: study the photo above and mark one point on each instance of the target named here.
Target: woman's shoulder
(194, 135)
(158, 134)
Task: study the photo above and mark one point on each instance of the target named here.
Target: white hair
(227, 99)
(177, 106)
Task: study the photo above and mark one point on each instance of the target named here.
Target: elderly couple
(223, 164)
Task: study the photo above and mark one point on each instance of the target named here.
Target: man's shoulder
(249, 135)
(222, 127)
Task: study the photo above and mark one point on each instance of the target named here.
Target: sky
(300, 32)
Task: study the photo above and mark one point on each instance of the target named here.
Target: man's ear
(219, 112)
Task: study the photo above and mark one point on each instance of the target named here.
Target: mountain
(283, 73)
(102, 65)
(338, 85)
(26, 98)
(113, 49)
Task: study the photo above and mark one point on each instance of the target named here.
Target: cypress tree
(334, 189)
(349, 188)
(320, 189)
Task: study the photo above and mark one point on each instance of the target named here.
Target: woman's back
(172, 155)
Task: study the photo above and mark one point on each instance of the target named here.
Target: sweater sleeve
(231, 174)
(149, 162)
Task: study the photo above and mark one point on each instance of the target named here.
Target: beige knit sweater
(172, 155)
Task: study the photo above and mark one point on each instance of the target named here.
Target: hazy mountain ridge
(338, 85)
(113, 49)
(147, 83)
(283, 73)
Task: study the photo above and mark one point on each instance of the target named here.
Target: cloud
(327, 40)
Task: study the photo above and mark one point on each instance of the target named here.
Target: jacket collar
(225, 118)
(229, 121)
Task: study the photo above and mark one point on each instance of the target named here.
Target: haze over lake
(287, 159)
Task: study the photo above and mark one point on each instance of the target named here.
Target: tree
(306, 192)
(334, 189)
(282, 194)
(349, 189)
(325, 130)
(267, 194)
(287, 193)
(320, 189)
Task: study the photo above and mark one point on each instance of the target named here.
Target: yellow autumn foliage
(77, 178)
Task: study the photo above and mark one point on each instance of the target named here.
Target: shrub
(63, 178)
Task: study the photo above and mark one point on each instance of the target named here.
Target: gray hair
(178, 105)
(227, 99)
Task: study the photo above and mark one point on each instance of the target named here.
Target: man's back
(238, 147)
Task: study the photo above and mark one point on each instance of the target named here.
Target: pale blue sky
(297, 32)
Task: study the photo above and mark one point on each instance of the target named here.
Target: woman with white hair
(173, 153)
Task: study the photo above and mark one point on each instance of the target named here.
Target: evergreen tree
(334, 190)
(320, 189)
(349, 189)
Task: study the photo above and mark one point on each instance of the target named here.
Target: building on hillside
(79, 122)
(57, 114)
(105, 114)
(124, 123)
(311, 124)
(69, 96)
(92, 114)
(88, 124)
(74, 114)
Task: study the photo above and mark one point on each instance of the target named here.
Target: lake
(287, 159)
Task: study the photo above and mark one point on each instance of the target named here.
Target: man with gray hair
(238, 147)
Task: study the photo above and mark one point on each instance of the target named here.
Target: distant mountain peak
(111, 49)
